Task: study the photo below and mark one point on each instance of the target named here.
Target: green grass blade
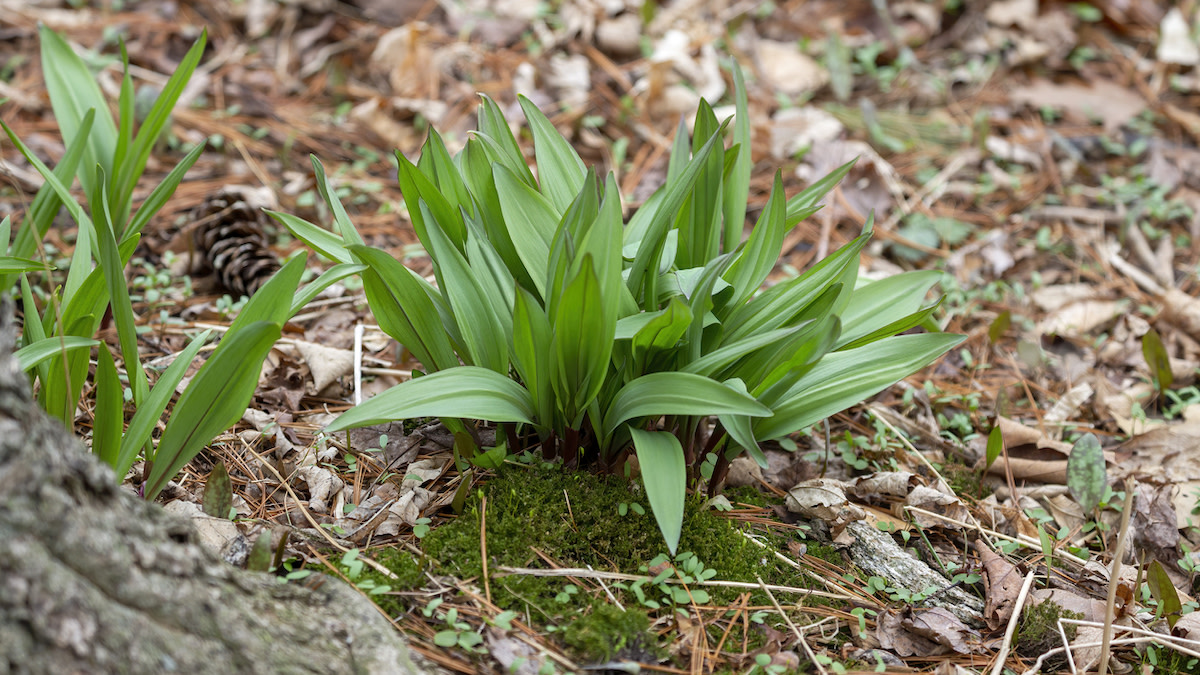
(141, 426)
(46, 204)
(464, 392)
(665, 476)
(215, 400)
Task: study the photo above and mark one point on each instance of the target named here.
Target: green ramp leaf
(214, 401)
(664, 475)
(466, 391)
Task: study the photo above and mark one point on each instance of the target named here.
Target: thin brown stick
(487, 585)
(1114, 577)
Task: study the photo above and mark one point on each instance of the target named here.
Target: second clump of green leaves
(597, 338)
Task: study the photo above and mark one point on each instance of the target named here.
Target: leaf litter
(1040, 154)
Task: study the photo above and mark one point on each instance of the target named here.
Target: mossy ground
(574, 518)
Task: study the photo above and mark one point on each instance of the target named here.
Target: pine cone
(229, 237)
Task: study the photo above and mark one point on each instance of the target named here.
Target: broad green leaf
(920, 317)
(717, 359)
(778, 305)
(879, 303)
(495, 133)
(757, 258)
(467, 392)
(141, 426)
(494, 278)
(109, 411)
(73, 92)
(560, 171)
(404, 309)
(417, 189)
(320, 240)
(582, 343)
(532, 221)
(642, 278)
(842, 379)
(776, 368)
(660, 335)
(665, 477)
(345, 227)
(477, 172)
(736, 189)
(29, 356)
(1087, 472)
(531, 347)
(215, 399)
(699, 219)
(481, 330)
(567, 243)
(437, 165)
(677, 394)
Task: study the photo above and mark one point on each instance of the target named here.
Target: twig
(487, 585)
(1002, 655)
(621, 576)
(1114, 579)
(799, 636)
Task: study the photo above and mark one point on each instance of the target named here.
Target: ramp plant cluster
(108, 156)
(597, 338)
